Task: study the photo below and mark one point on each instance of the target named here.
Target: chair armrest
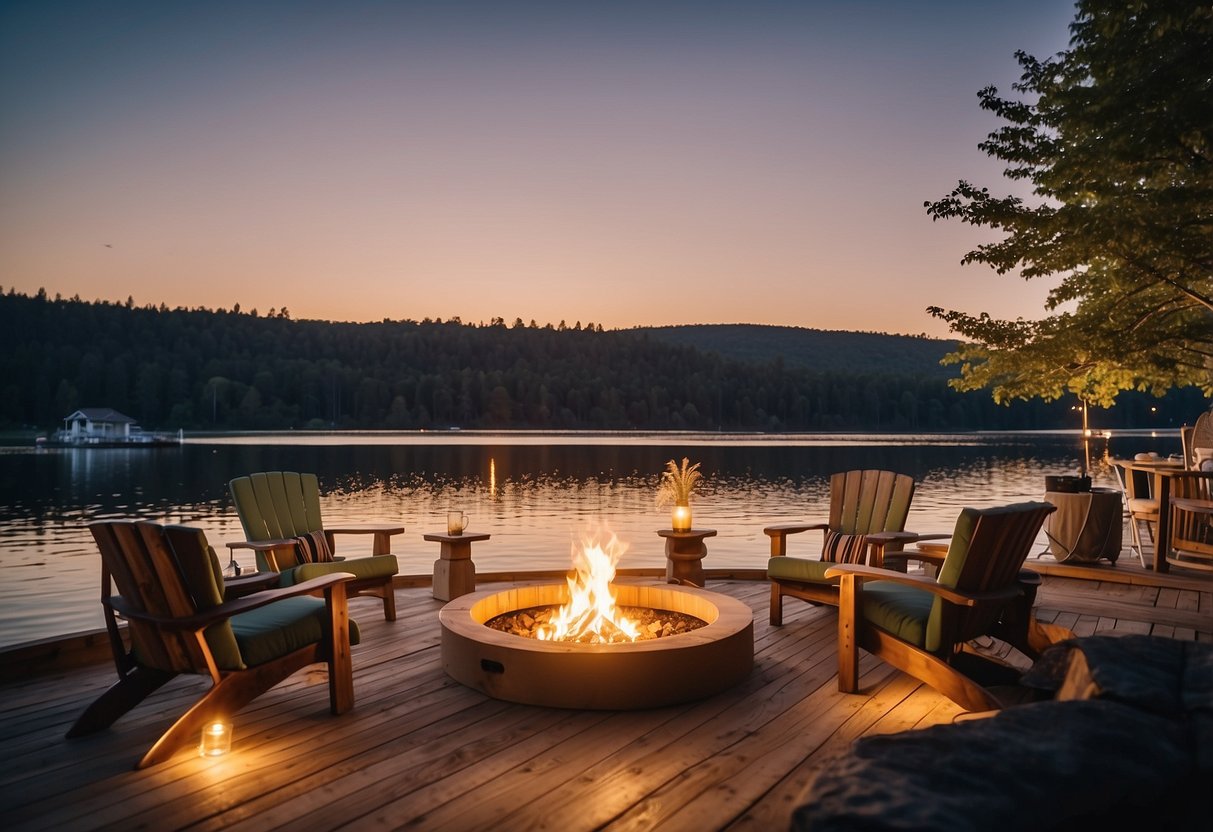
(967, 599)
(383, 533)
(227, 609)
(877, 541)
(269, 547)
(885, 538)
(927, 552)
(243, 585)
(919, 538)
(1195, 506)
(780, 531)
(367, 528)
(263, 545)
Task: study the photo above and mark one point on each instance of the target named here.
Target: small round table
(454, 572)
(684, 553)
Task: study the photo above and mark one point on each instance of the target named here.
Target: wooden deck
(421, 751)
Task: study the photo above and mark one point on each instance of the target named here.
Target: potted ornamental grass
(677, 485)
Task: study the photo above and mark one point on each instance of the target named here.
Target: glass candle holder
(216, 739)
(680, 519)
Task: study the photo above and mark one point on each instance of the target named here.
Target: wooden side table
(454, 572)
(684, 553)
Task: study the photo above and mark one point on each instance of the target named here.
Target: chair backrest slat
(148, 578)
(868, 501)
(277, 504)
(145, 640)
(177, 600)
(865, 500)
(271, 502)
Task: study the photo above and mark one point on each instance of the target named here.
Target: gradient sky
(627, 163)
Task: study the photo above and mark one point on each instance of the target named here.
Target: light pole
(1086, 436)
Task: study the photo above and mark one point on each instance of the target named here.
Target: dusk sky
(627, 163)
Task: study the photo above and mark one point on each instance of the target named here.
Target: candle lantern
(216, 739)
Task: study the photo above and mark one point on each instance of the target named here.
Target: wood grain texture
(421, 751)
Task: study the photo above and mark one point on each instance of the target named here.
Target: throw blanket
(312, 547)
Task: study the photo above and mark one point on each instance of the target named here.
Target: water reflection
(533, 493)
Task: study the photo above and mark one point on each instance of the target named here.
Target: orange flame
(590, 615)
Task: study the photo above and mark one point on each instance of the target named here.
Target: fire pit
(561, 670)
(561, 674)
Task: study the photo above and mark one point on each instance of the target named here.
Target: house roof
(100, 414)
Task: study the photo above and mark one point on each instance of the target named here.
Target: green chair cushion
(799, 569)
(203, 580)
(376, 566)
(897, 609)
(282, 627)
(958, 549)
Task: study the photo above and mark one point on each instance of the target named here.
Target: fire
(590, 615)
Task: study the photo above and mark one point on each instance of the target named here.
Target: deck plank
(421, 750)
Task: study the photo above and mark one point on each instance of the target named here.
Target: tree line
(201, 369)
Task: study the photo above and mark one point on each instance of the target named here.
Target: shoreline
(1100, 439)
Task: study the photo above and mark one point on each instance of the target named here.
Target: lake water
(535, 493)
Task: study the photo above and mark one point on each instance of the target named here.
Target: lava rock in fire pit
(651, 623)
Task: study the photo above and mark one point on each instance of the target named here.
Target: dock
(421, 751)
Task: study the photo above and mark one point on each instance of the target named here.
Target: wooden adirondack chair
(872, 504)
(920, 625)
(171, 594)
(279, 508)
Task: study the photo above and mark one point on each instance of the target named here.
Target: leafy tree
(1116, 136)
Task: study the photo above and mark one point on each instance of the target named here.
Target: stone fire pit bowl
(642, 674)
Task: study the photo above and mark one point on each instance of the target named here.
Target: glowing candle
(680, 519)
(216, 739)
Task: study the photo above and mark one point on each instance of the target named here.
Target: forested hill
(199, 369)
(816, 350)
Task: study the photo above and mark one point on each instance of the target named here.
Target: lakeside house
(105, 426)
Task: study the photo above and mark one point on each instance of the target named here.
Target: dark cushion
(799, 569)
(897, 609)
(1051, 765)
(203, 579)
(376, 566)
(838, 548)
(280, 628)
